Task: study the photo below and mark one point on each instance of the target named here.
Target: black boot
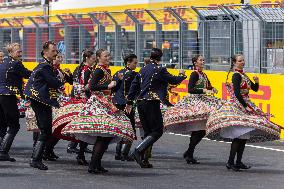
(36, 160)
(140, 149)
(99, 149)
(147, 156)
(125, 152)
(118, 151)
(81, 160)
(195, 138)
(5, 148)
(240, 165)
(49, 149)
(72, 148)
(240, 152)
(94, 164)
(81, 155)
(49, 156)
(87, 150)
(35, 138)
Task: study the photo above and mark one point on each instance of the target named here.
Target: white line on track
(249, 145)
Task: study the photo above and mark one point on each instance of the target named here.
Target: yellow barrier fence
(268, 98)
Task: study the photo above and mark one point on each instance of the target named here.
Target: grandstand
(180, 29)
(18, 3)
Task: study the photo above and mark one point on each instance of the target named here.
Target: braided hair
(98, 54)
(87, 53)
(194, 59)
(233, 60)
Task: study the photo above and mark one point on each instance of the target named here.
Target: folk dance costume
(100, 121)
(42, 89)
(190, 114)
(232, 122)
(71, 109)
(119, 99)
(12, 73)
(63, 98)
(149, 87)
(165, 104)
(30, 114)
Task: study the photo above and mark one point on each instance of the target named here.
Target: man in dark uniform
(12, 72)
(119, 99)
(150, 84)
(42, 89)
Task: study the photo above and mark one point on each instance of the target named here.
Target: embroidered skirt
(190, 113)
(100, 117)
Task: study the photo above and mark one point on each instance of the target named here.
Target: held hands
(249, 109)
(120, 76)
(67, 70)
(256, 79)
(215, 90)
(209, 92)
(182, 72)
(112, 84)
(86, 88)
(128, 108)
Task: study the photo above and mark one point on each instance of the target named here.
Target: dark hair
(129, 58)
(99, 53)
(45, 46)
(156, 54)
(87, 53)
(194, 59)
(147, 61)
(233, 60)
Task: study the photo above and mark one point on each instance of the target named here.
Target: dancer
(239, 120)
(119, 99)
(41, 90)
(190, 114)
(12, 73)
(100, 121)
(70, 110)
(64, 76)
(148, 86)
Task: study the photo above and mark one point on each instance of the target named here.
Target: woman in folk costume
(70, 110)
(239, 120)
(190, 114)
(100, 121)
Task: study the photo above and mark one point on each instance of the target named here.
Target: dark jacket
(43, 85)
(12, 73)
(151, 83)
(120, 92)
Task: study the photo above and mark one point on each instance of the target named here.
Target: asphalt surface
(170, 170)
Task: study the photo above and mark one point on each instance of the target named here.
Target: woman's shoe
(192, 161)
(243, 166)
(233, 167)
(82, 161)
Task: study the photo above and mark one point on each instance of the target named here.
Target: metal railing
(217, 32)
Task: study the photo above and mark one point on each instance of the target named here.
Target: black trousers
(131, 116)
(3, 125)
(43, 114)
(9, 115)
(151, 118)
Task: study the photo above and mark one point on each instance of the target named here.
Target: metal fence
(217, 32)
